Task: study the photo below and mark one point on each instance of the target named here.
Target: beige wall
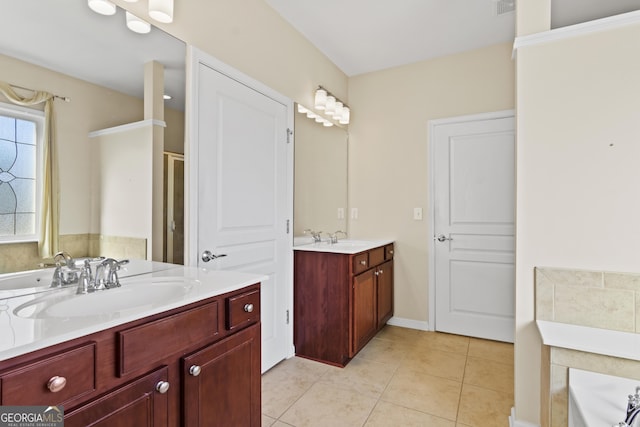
(578, 205)
(388, 151)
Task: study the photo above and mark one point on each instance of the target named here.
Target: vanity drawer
(376, 256)
(142, 346)
(360, 262)
(243, 310)
(388, 252)
(34, 383)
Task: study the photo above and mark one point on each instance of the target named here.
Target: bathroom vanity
(343, 295)
(190, 357)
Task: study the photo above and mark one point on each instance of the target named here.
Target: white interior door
(242, 157)
(473, 225)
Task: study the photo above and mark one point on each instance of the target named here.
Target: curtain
(48, 239)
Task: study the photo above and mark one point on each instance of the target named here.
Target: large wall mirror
(67, 49)
(320, 183)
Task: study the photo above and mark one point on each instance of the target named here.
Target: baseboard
(409, 323)
(515, 423)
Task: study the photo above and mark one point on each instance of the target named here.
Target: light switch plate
(354, 213)
(417, 214)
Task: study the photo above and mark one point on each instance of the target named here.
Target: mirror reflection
(320, 182)
(97, 63)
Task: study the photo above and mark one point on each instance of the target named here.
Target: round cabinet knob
(391, 252)
(377, 272)
(56, 384)
(162, 387)
(363, 262)
(195, 370)
(248, 308)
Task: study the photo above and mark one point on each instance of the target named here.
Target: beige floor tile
(325, 405)
(267, 420)
(281, 424)
(492, 350)
(287, 382)
(362, 376)
(444, 342)
(489, 374)
(396, 333)
(435, 362)
(387, 414)
(480, 407)
(426, 393)
(385, 351)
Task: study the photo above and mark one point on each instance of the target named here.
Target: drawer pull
(195, 370)
(162, 387)
(377, 272)
(363, 262)
(56, 384)
(391, 252)
(248, 308)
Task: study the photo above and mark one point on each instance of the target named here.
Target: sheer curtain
(48, 240)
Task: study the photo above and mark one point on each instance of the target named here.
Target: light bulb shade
(330, 107)
(103, 7)
(337, 114)
(321, 99)
(346, 116)
(161, 10)
(327, 124)
(136, 24)
(311, 114)
(131, 1)
(302, 109)
(319, 119)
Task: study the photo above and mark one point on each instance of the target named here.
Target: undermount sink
(113, 302)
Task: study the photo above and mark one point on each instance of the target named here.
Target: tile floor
(403, 377)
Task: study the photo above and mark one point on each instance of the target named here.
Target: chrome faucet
(633, 408)
(107, 274)
(334, 237)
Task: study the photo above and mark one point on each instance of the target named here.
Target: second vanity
(343, 295)
(189, 357)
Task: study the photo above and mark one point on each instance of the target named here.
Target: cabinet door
(364, 309)
(384, 279)
(136, 404)
(222, 382)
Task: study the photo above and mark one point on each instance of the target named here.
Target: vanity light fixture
(310, 114)
(136, 24)
(103, 7)
(161, 10)
(332, 106)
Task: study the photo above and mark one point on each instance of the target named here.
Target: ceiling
(359, 36)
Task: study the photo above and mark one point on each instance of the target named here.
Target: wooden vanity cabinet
(340, 301)
(118, 377)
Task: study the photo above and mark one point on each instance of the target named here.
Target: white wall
(388, 147)
(578, 156)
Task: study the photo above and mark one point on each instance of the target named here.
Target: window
(21, 141)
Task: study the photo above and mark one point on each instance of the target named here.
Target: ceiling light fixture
(332, 106)
(161, 10)
(103, 7)
(136, 24)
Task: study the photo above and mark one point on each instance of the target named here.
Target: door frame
(432, 124)
(195, 57)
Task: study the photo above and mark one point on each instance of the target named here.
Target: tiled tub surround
(602, 300)
(24, 256)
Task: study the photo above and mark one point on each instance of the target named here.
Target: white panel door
(474, 210)
(242, 180)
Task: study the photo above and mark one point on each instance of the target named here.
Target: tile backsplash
(597, 299)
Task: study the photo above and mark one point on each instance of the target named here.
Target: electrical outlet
(417, 214)
(354, 213)
(340, 213)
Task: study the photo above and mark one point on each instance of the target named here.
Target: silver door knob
(162, 387)
(442, 238)
(248, 308)
(195, 370)
(208, 256)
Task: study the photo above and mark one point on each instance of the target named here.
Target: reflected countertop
(346, 246)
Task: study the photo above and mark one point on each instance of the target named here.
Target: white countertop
(346, 246)
(591, 340)
(26, 326)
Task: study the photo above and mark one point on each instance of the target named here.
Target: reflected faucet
(107, 274)
(633, 408)
(317, 238)
(334, 237)
(68, 274)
